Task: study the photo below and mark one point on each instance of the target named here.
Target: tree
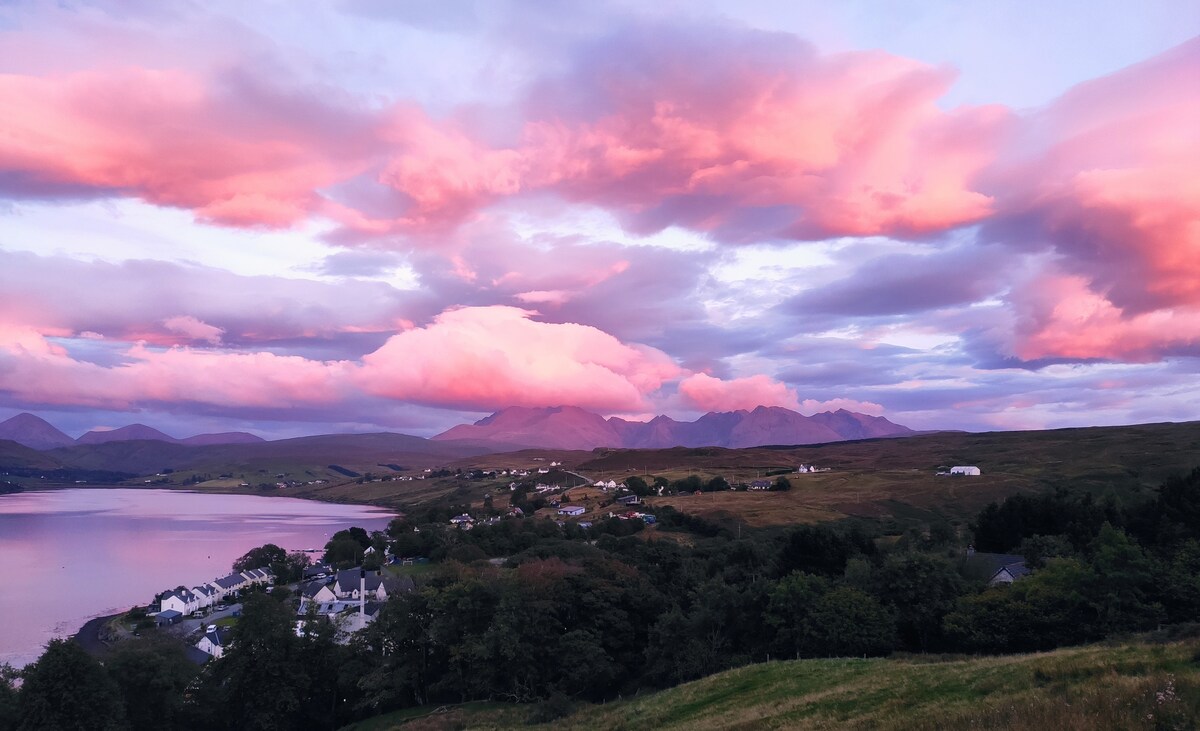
(716, 484)
(920, 589)
(264, 555)
(152, 675)
(788, 611)
(781, 484)
(847, 622)
(8, 697)
(259, 682)
(637, 485)
(1036, 549)
(68, 690)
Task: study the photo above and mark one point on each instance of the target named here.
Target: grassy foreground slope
(1131, 685)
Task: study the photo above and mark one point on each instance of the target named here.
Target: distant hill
(570, 427)
(145, 456)
(125, 434)
(34, 432)
(226, 437)
(14, 455)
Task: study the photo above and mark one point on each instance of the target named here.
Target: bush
(553, 708)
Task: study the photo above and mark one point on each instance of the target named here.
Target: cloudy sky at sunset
(296, 218)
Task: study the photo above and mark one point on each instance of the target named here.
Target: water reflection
(69, 555)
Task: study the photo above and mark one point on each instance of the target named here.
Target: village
(205, 613)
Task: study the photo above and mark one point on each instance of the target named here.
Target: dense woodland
(572, 615)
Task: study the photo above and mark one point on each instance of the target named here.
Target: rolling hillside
(1134, 685)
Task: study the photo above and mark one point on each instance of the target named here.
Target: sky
(296, 218)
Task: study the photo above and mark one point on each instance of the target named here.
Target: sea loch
(72, 554)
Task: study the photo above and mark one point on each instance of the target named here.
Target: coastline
(88, 636)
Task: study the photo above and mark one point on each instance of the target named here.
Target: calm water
(70, 555)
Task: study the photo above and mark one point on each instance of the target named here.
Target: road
(189, 625)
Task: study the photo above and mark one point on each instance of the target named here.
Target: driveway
(189, 625)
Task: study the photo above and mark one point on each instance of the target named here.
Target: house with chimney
(179, 600)
(354, 584)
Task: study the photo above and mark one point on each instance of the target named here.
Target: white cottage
(970, 470)
(350, 584)
(182, 601)
(215, 641)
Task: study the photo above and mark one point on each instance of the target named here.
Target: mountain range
(561, 427)
(570, 427)
(37, 433)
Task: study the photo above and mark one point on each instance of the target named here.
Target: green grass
(414, 570)
(1130, 685)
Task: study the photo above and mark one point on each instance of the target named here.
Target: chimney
(362, 593)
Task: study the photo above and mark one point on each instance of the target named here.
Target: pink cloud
(544, 296)
(812, 406)
(39, 372)
(194, 329)
(1108, 176)
(225, 149)
(706, 393)
(491, 357)
(1062, 317)
(710, 129)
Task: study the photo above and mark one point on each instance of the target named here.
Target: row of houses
(204, 596)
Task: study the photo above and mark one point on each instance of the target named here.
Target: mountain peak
(34, 432)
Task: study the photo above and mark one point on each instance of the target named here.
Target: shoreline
(88, 636)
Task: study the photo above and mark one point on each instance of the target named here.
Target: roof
(230, 582)
(348, 579)
(169, 614)
(195, 655)
(990, 564)
(219, 636)
(1015, 570)
(312, 588)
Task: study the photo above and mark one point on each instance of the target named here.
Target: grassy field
(1131, 685)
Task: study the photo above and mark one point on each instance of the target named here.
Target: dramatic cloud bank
(638, 212)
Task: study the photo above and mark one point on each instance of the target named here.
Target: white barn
(971, 470)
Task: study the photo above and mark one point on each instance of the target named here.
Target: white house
(571, 510)
(227, 585)
(350, 584)
(205, 596)
(215, 641)
(182, 601)
(971, 470)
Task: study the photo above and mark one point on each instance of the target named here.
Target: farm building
(971, 470)
(571, 510)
